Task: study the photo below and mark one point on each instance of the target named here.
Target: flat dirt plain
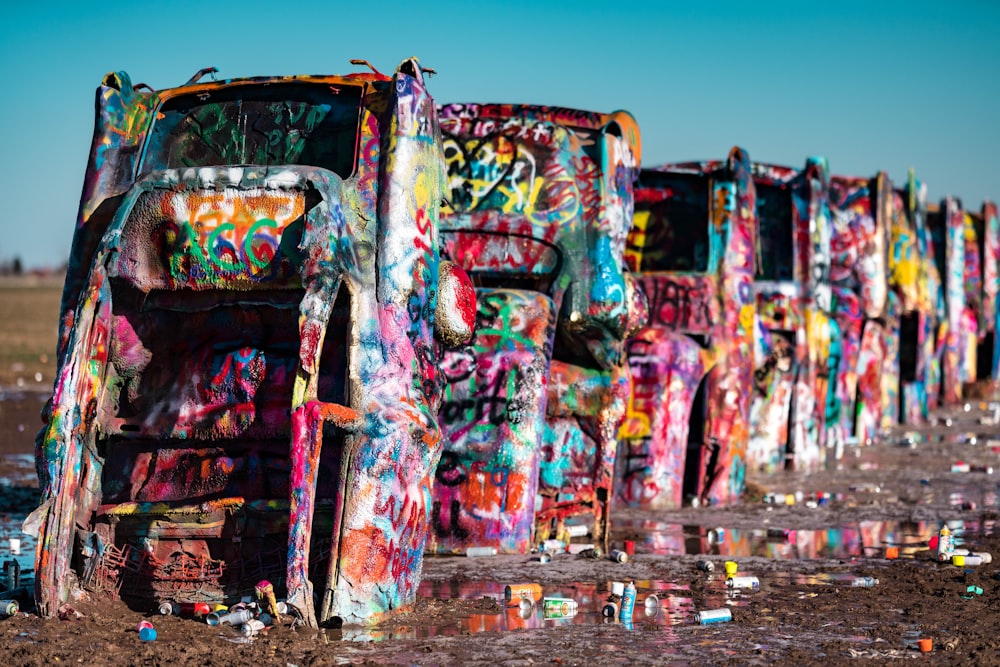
(805, 613)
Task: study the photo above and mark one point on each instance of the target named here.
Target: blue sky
(870, 85)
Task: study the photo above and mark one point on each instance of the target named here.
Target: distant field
(29, 327)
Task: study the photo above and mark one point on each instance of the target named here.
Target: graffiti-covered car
(865, 311)
(248, 374)
(795, 330)
(541, 203)
(958, 263)
(915, 280)
(693, 250)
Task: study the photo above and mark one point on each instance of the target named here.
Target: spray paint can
(545, 557)
(265, 592)
(252, 627)
(480, 552)
(184, 608)
(237, 617)
(147, 632)
(618, 556)
(8, 607)
(713, 616)
(518, 591)
(12, 574)
(558, 607)
(705, 566)
(946, 546)
(628, 602)
(864, 582)
(553, 546)
(610, 609)
(743, 582)
(592, 552)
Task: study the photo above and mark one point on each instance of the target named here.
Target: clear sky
(871, 85)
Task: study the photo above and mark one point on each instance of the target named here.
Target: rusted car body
(248, 376)
(795, 330)
(541, 203)
(693, 250)
(959, 264)
(862, 307)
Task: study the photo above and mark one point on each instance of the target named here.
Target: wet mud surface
(805, 555)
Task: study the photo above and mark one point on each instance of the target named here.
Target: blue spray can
(628, 602)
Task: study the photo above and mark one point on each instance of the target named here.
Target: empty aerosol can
(236, 617)
(628, 602)
(610, 609)
(558, 607)
(618, 556)
(252, 627)
(8, 607)
(946, 545)
(706, 566)
(515, 592)
(864, 582)
(743, 582)
(713, 616)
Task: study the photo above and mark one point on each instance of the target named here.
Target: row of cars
(315, 326)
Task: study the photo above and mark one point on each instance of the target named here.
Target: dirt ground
(805, 613)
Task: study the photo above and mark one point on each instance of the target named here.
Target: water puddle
(862, 539)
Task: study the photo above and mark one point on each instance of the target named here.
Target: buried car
(541, 203)
(248, 372)
(693, 249)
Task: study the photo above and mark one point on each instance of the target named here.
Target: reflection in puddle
(673, 606)
(866, 538)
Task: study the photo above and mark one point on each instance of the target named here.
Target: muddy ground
(805, 613)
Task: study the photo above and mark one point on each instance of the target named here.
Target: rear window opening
(676, 221)
(275, 124)
(777, 241)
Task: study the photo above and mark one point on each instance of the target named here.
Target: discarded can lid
(891, 553)
(958, 560)
(480, 552)
(925, 644)
(731, 567)
(147, 634)
(518, 591)
(630, 547)
(705, 565)
(743, 582)
(713, 616)
(618, 588)
(618, 556)
(8, 607)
